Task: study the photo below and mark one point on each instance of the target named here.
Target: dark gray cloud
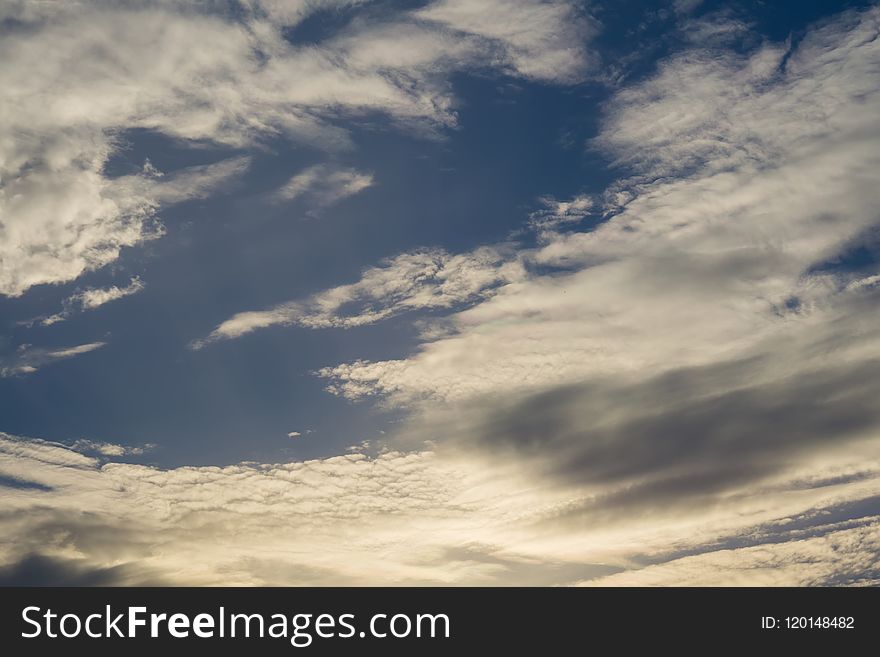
(40, 570)
(677, 439)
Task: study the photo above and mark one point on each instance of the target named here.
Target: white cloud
(59, 224)
(48, 320)
(841, 555)
(75, 79)
(67, 352)
(398, 518)
(430, 278)
(541, 40)
(87, 446)
(556, 214)
(92, 298)
(184, 185)
(323, 185)
(292, 12)
(686, 6)
(723, 225)
(88, 299)
(28, 359)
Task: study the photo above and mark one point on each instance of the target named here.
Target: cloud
(27, 359)
(92, 298)
(714, 248)
(841, 556)
(301, 509)
(77, 80)
(541, 40)
(88, 299)
(87, 446)
(399, 518)
(425, 279)
(681, 438)
(37, 570)
(686, 370)
(284, 12)
(59, 224)
(322, 185)
(701, 343)
(713, 109)
(47, 320)
(556, 214)
(185, 184)
(686, 6)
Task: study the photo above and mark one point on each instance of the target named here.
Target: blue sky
(609, 252)
(474, 184)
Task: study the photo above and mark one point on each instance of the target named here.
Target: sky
(450, 292)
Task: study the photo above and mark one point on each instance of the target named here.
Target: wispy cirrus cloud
(27, 359)
(104, 449)
(556, 214)
(323, 185)
(426, 279)
(186, 184)
(553, 46)
(92, 298)
(89, 299)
